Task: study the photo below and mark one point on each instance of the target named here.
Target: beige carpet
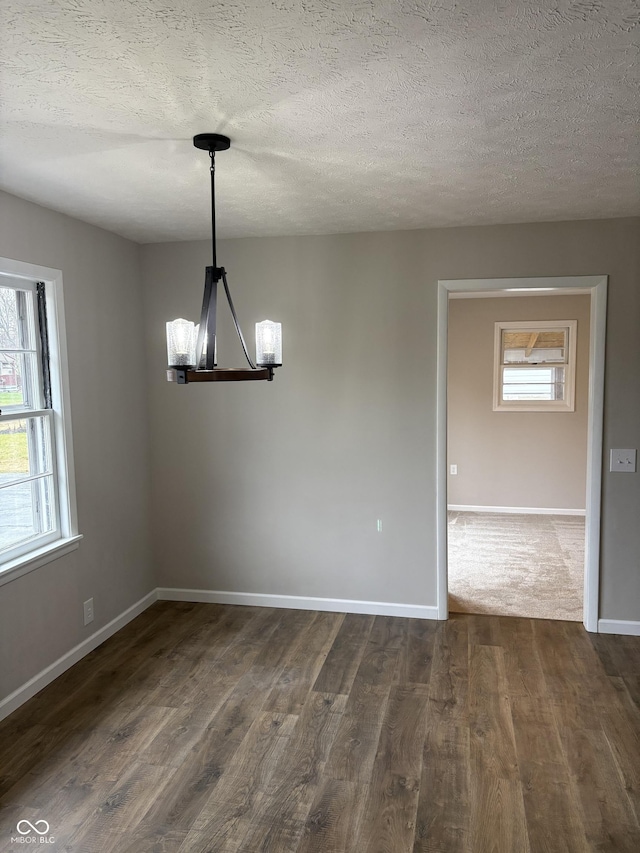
(516, 565)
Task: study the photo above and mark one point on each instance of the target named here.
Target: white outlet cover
(88, 611)
(623, 461)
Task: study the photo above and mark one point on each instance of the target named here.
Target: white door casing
(596, 287)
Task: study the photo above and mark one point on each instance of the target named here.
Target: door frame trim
(596, 287)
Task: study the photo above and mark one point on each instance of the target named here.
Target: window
(37, 499)
(535, 366)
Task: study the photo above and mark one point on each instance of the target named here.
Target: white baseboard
(619, 626)
(516, 510)
(35, 684)
(298, 602)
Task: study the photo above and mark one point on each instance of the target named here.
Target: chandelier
(191, 349)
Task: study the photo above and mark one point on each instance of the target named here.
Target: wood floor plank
(26, 750)
(179, 800)
(198, 729)
(619, 655)
(497, 813)
(288, 695)
(119, 812)
(334, 818)
(149, 839)
(484, 630)
(557, 652)
(623, 736)
(354, 749)
(181, 729)
(341, 665)
(553, 820)
(287, 635)
(442, 820)
(236, 657)
(253, 763)
(227, 815)
(70, 805)
(599, 731)
(551, 809)
(632, 684)
(382, 651)
(416, 653)
(178, 805)
(605, 650)
(389, 817)
(449, 682)
(607, 813)
(280, 819)
(209, 633)
(109, 749)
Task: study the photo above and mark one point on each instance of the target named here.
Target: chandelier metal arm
(208, 316)
(235, 320)
(207, 330)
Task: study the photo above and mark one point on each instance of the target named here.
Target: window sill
(545, 406)
(40, 557)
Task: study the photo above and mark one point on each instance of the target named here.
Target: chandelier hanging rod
(212, 142)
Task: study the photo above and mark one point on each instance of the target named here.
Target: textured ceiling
(344, 116)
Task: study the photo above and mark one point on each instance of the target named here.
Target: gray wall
(513, 459)
(41, 613)
(276, 488)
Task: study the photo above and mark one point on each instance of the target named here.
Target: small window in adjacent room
(37, 496)
(535, 366)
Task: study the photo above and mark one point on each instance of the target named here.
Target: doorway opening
(503, 509)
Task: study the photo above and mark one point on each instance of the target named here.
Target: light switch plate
(623, 460)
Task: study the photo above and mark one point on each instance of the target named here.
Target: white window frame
(41, 550)
(566, 405)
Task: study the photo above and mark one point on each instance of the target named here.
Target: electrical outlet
(623, 460)
(88, 611)
(453, 469)
(379, 525)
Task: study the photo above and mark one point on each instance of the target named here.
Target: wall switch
(88, 611)
(623, 460)
(453, 469)
(379, 525)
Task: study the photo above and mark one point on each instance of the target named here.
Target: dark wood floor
(213, 728)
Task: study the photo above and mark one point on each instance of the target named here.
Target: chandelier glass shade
(191, 348)
(181, 344)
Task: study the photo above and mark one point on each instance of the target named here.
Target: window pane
(545, 383)
(25, 449)
(19, 383)
(531, 347)
(14, 318)
(26, 510)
